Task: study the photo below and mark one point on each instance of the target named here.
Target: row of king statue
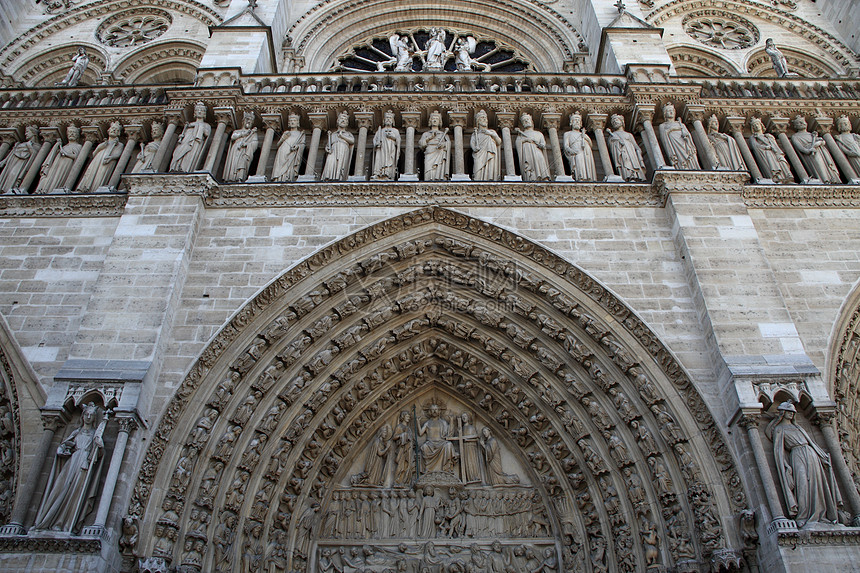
(805, 156)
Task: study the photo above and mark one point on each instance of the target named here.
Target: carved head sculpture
(73, 132)
(200, 110)
(756, 126)
(617, 122)
(157, 130)
(32, 132)
(435, 119)
(342, 120)
(714, 123)
(526, 121)
(769, 43)
(433, 410)
(485, 431)
(481, 119)
(576, 120)
(843, 124)
(115, 130)
(428, 491)
(293, 121)
(388, 119)
(385, 432)
(405, 417)
(466, 417)
(248, 119)
(497, 546)
(799, 123)
(669, 112)
(89, 413)
(787, 410)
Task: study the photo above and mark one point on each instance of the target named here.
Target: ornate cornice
(828, 537)
(834, 196)
(66, 205)
(68, 544)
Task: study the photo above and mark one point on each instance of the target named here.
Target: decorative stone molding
(94, 205)
(138, 65)
(835, 196)
(36, 544)
(693, 62)
(133, 28)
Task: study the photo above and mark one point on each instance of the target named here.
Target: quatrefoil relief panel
(721, 30)
(132, 28)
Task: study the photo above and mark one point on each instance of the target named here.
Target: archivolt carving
(544, 38)
(160, 63)
(612, 437)
(689, 61)
(10, 453)
(52, 66)
(801, 62)
(827, 42)
(844, 374)
(98, 10)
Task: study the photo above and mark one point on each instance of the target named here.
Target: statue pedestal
(408, 177)
(460, 177)
(564, 179)
(256, 179)
(513, 178)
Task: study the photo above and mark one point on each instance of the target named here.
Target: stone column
(364, 120)
(824, 420)
(597, 123)
(412, 120)
(134, 133)
(127, 424)
(91, 134)
(644, 114)
(49, 136)
(552, 121)
(319, 122)
(735, 125)
(457, 120)
(778, 125)
(226, 117)
(824, 125)
(272, 121)
(162, 156)
(750, 422)
(9, 136)
(51, 421)
(505, 121)
(695, 114)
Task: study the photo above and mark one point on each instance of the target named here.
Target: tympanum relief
(434, 489)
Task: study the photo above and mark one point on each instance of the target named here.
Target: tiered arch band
(267, 441)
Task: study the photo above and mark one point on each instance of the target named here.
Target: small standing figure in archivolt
(71, 490)
(805, 472)
(80, 61)
(192, 143)
(243, 144)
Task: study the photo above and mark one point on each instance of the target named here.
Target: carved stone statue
(57, 166)
(404, 454)
(493, 459)
(339, 151)
(485, 143)
(400, 49)
(437, 453)
(435, 59)
(16, 164)
(192, 143)
(464, 49)
(470, 461)
(805, 472)
(625, 151)
(780, 65)
(677, 141)
(848, 142)
(290, 149)
(577, 149)
(812, 150)
(725, 147)
(771, 159)
(376, 466)
(147, 154)
(104, 160)
(531, 148)
(243, 144)
(437, 149)
(386, 142)
(79, 65)
(71, 490)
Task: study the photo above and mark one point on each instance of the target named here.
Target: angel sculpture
(465, 62)
(400, 49)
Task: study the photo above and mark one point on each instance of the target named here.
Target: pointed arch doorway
(593, 451)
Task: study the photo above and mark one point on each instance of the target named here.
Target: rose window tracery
(127, 30)
(722, 32)
(433, 50)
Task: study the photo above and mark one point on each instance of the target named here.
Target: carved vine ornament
(462, 393)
